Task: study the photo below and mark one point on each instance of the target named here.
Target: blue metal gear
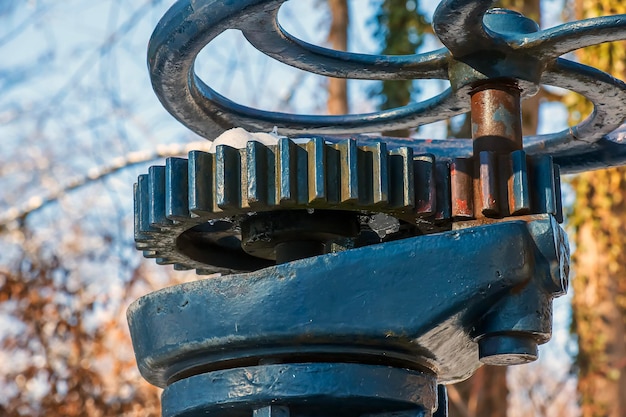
(189, 212)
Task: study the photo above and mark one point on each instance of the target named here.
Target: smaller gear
(238, 209)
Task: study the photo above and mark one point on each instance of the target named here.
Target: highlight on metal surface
(480, 44)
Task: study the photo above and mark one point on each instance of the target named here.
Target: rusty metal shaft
(497, 133)
(496, 117)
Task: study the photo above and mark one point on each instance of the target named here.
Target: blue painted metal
(338, 389)
(181, 35)
(219, 191)
(366, 331)
(176, 178)
(391, 303)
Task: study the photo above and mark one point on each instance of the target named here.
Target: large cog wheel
(206, 212)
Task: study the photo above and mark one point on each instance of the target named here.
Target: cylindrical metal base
(303, 390)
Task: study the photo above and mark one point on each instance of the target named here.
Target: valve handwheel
(511, 44)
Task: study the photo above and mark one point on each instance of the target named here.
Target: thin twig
(117, 164)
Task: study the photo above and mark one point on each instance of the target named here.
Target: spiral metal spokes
(515, 47)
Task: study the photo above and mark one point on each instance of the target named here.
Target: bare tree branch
(98, 173)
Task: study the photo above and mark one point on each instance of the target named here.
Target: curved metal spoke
(605, 92)
(559, 40)
(459, 26)
(176, 41)
(181, 35)
(230, 114)
(283, 47)
(191, 24)
(608, 152)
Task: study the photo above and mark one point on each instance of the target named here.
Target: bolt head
(505, 350)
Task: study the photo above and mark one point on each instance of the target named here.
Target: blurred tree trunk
(338, 39)
(599, 304)
(483, 395)
(400, 31)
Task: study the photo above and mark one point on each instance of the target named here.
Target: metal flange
(396, 304)
(284, 390)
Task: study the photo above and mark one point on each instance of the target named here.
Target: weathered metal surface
(196, 220)
(525, 55)
(496, 118)
(303, 390)
(395, 304)
(461, 188)
(366, 331)
(284, 236)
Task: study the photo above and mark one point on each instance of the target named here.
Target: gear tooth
(164, 261)
(201, 184)
(332, 172)
(256, 174)
(181, 267)
(316, 167)
(286, 168)
(373, 176)
(424, 172)
(365, 172)
(227, 178)
(401, 178)
(542, 185)
(176, 189)
(348, 172)
(144, 205)
(380, 174)
(272, 176)
(557, 193)
(142, 246)
(519, 197)
(461, 186)
(150, 254)
(302, 174)
(443, 202)
(488, 175)
(140, 238)
(242, 189)
(156, 190)
(207, 272)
